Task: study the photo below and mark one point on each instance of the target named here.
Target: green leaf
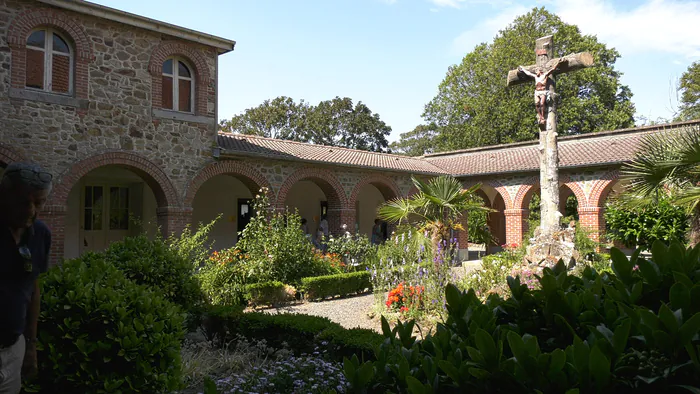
(680, 297)
(517, 346)
(621, 265)
(668, 319)
(621, 335)
(386, 329)
(689, 329)
(414, 385)
(558, 361)
(487, 347)
(450, 370)
(599, 365)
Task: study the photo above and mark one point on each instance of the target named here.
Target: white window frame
(48, 61)
(176, 83)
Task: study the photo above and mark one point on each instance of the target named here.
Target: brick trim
(163, 189)
(601, 189)
(565, 180)
(9, 155)
(18, 32)
(384, 184)
(250, 177)
(500, 188)
(529, 186)
(204, 86)
(324, 179)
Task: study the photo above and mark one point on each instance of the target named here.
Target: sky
(393, 54)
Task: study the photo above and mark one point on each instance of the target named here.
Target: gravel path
(349, 312)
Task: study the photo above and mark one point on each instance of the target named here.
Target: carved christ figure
(542, 94)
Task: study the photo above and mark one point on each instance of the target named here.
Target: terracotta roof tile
(602, 148)
(612, 147)
(248, 145)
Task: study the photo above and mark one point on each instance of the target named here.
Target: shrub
(154, 264)
(100, 332)
(301, 333)
(268, 293)
(632, 331)
(356, 250)
(223, 279)
(490, 278)
(331, 285)
(193, 246)
(408, 258)
(643, 226)
(277, 248)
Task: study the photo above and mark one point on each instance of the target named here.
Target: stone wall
(117, 113)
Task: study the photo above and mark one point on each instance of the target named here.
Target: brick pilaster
(592, 219)
(55, 218)
(338, 217)
(516, 225)
(172, 220)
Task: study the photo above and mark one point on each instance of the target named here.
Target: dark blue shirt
(18, 271)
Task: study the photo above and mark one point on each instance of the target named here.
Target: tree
(690, 98)
(417, 142)
(474, 108)
(278, 118)
(667, 165)
(437, 208)
(336, 122)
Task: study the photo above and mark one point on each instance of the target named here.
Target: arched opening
(367, 197)
(228, 195)
(308, 199)
(568, 205)
(488, 230)
(107, 204)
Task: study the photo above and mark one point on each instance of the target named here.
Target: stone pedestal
(547, 251)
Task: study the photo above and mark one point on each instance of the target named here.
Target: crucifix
(543, 73)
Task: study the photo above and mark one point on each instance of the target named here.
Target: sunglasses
(32, 174)
(27, 257)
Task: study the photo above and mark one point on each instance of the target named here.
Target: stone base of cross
(547, 245)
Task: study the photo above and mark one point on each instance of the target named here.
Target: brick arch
(601, 189)
(9, 155)
(196, 59)
(164, 191)
(498, 186)
(17, 39)
(248, 175)
(525, 192)
(581, 197)
(384, 184)
(324, 179)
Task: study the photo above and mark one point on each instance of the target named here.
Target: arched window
(49, 62)
(178, 86)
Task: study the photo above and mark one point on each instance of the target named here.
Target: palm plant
(667, 164)
(437, 208)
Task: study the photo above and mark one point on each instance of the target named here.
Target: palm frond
(398, 210)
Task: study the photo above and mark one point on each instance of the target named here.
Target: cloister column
(592, 219)
(172, 220)
(516, 225)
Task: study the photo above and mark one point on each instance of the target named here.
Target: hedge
(266, 293)
(301, 333)
(320, 287)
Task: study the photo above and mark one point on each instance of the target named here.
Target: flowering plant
(403, 298)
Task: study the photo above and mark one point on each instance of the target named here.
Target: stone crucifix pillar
(543, 73)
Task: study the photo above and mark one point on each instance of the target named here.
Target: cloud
(485, 30)
(389, 1)
(655, 25)
(464, 3)
(667, 26)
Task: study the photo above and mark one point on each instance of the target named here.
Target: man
(24, 251)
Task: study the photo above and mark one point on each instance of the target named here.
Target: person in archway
(25, 243)
(377, 233)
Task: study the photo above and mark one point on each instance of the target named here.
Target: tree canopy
(689, 87)
(417, 142)
(474, 107)
(336, 122)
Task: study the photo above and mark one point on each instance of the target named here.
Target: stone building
(122, 110)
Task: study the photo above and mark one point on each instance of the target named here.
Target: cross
(546, 103)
